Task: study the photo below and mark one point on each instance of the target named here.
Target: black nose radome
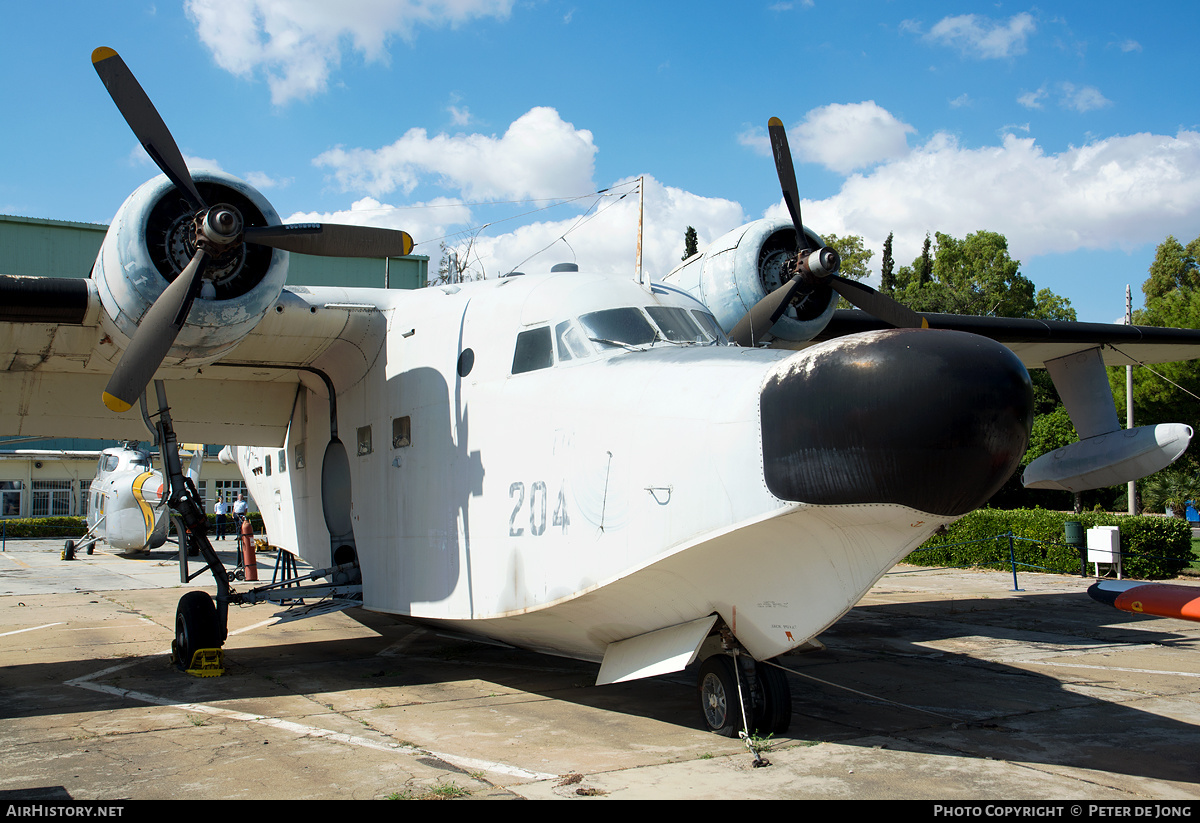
(932, 419)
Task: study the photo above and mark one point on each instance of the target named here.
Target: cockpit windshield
(623, 327)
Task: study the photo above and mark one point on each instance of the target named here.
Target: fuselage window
(535, 351)
(677, 326)
(618, 328)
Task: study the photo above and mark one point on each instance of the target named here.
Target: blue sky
(1072, 128)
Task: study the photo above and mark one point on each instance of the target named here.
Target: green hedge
(35, 527)
(47, 527)
(1152, 548)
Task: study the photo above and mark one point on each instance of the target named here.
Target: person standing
(220, 510)
(239, 509)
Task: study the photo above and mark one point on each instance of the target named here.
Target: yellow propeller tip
(116, 404)
(774, 121)
(103, 53)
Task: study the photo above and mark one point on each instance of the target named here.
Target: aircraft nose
(932, 419)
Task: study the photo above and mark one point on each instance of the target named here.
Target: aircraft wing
(1037, 341)
(57, 352)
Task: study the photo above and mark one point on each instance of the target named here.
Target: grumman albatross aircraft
(574, 463)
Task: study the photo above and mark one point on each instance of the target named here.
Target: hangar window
(51, 498)
(10, 497)
(534, 351)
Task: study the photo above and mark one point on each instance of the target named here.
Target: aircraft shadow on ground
(944, 702)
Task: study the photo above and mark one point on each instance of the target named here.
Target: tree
(690, 243)
(887, 276)
(1170, 489)
(856, 258)
(1174, 267)
(925, 269)
(975, 276)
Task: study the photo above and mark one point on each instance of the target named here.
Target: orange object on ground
(1158, 599)
(248, 559)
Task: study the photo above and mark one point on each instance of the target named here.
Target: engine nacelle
(742, 267)
(150, 242)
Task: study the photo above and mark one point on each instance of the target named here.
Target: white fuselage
(127, 508)
(571, 506)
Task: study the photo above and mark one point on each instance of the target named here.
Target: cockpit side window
(534, 351)
(617, 328)
(571, 345)
(677, 326)
(710, 325)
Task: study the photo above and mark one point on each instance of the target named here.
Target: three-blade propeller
(219, 229)
(813, 268)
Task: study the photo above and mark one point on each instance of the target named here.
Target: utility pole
(1129, 395)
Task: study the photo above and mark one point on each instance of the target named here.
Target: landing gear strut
(199, 623)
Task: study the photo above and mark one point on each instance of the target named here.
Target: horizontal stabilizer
(1109, 459)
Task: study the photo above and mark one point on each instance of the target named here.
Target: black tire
(774, 712)
(718, 693)
(68, 552)
(195, 627)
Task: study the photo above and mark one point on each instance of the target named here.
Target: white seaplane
(574, 463)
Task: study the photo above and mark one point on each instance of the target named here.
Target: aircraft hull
(776, 581)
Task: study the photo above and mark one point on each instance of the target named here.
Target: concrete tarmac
(939, 685)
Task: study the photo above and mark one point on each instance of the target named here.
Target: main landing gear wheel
(769, 708)
(773, 714)
(68, 552)
(195, 627)
(717, 686)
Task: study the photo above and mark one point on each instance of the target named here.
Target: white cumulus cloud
(297, 43)
(841, 136)
(983, 38)
(539, 155)
(1121, 191)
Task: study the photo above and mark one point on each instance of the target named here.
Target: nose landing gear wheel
(195, 627)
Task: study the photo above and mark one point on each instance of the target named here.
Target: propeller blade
(154, 337)
(332, 239)
(787, 178)
(877, 304)
(144, 119)
(755, 324)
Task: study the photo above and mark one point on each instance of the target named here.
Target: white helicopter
(127, 507)
(573, 463)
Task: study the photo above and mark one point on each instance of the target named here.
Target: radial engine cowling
(150, 242)
(743, 266)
